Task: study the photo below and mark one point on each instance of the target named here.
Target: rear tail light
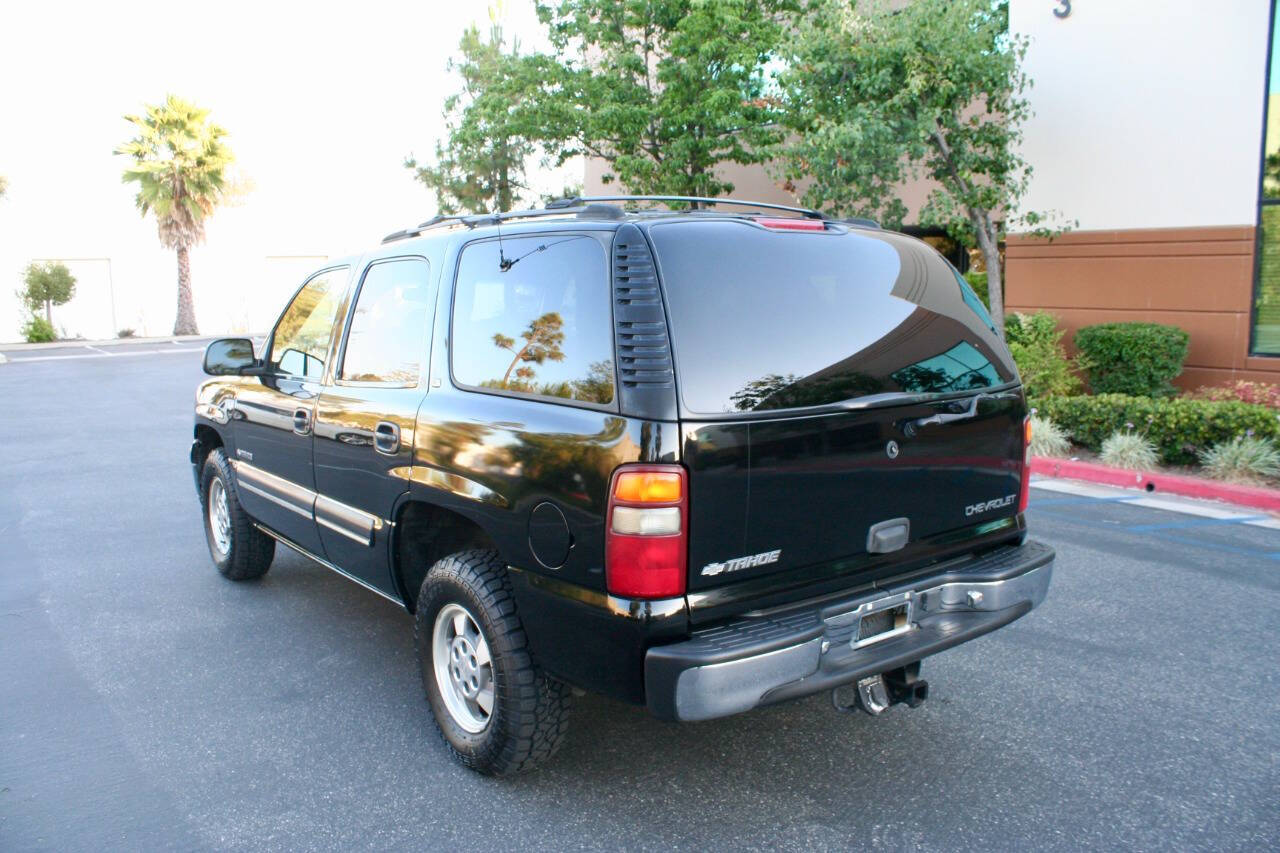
(647, 532)
(1024, 492)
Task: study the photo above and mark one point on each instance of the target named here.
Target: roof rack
(694, 202)
(589, 207)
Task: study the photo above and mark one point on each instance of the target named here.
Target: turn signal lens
(1024, 488)
(649, 487)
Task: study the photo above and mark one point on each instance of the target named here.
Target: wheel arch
(424, 533)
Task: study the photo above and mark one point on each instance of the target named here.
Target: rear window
(766, 320)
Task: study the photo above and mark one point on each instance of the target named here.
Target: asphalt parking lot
(148, 704)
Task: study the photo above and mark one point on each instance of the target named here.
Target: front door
(275, 412)
(365, 419)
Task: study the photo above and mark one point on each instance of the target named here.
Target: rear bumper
(767, 658)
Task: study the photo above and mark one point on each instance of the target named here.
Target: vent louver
(644, 349)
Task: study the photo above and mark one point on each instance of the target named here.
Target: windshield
(765, 320)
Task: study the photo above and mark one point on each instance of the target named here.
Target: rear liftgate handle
(386, 438)
(969, 411)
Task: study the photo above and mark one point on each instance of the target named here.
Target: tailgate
(773, 495)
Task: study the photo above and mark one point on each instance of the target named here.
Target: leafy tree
(542, 340)
(180, 164)
(1270, 176)
(481, 166)
(879, 95)
(4, 185)
(662, 90)
(46, 285)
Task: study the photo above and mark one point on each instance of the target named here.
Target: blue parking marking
(1198, 522)
(1218, 546)
(1068, 501)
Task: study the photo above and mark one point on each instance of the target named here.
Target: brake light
(646, 532)
(792, 224)
(1024, 491)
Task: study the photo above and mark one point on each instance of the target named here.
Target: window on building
(388, 329)
(543, 326)
(301, 340)
(1266, 301)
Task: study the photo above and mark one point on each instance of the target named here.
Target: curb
(119, 342)
(1173, 484)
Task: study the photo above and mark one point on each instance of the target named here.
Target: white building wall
(1148, 115)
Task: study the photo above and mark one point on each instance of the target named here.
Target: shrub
(978, 281)
(1243, 459)
(1129, 449)
(38, 330)
(1258, 393)
(125, 333)
(1179, 427)
(1047, 438)
(1132, 358)
(1037, 349)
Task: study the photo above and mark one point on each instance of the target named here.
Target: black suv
(695, 459)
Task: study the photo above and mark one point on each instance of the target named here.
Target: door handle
(386, 438)
(302, 421)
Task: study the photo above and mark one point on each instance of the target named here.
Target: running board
(322, 561)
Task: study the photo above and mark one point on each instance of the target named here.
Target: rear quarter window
(543, 327)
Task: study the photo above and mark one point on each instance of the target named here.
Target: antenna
(504, 263)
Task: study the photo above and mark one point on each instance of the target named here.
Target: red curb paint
(1173, 484)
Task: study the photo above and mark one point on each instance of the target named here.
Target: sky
(322, 103)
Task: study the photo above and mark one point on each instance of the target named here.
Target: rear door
(831, 381)
(364, 421)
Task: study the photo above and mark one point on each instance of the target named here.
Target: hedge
(1179, 427)
(1132, 358)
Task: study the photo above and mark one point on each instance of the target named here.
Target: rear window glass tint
(766, 320)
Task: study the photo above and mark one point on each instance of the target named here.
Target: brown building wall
(1200, 279)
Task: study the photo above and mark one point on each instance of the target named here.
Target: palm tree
(179, 162)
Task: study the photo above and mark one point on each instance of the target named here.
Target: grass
(1131, 450)
(1244, 459)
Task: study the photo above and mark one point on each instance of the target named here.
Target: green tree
(481, 166)
(180, 163)
(662, 90)
(46, 285)
(879, 95)
(542, 340)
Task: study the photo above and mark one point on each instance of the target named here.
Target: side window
(301, 341)
(384, 343)
(542, 326)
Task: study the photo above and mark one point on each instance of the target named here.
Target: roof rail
(472, 220)
(693, 200)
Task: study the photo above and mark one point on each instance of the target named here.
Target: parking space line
(95, 349)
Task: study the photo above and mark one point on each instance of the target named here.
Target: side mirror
(229, 357)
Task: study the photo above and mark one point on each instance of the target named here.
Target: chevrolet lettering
(998, 503)
(541, 432)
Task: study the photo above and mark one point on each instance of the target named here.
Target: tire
(528, 712)
(240, 551)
